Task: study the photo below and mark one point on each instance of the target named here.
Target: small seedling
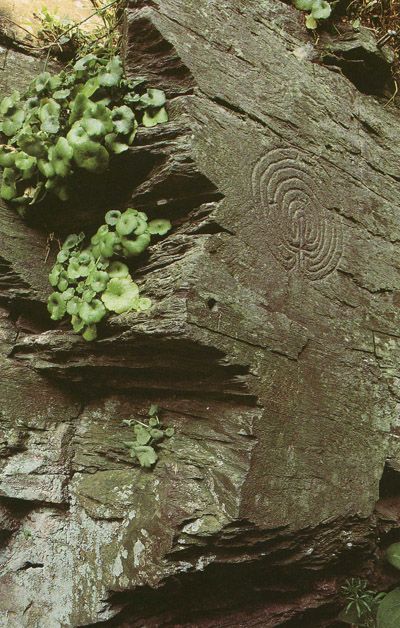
(318, 10)
(362, 603)
(147, 438)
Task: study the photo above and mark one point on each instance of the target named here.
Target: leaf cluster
(147, 438)
(73, 121)
(318, 10)
(92, 281)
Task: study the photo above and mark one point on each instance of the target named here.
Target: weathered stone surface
(272, 348)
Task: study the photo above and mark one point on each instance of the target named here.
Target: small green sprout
(147, 438)
(362, 603)
(318, 10)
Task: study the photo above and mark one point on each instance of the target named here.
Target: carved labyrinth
(302, 234)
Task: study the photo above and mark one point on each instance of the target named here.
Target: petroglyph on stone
(302, 234)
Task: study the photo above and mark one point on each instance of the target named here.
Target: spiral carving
(302, 235)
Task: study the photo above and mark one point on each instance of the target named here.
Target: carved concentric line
(302, 234)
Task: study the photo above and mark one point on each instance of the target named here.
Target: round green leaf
(311, 22)
(146, 455)
(101, 113)
(73, 240)
(60, 157)
(112, 217)
(77, 135)
(120, 295)
(393, 555)
(98, 280)
(91, 156)
(124, 119)
(31, 103)
(159, 226)
(8, 103)
(82, 63)
(93, 127)
(49, 115)
(61, 94)
(13, 123)
(55, 274)
(135, 247)
(156, 434)
(55, 83)
(68, 294)
(112, 73)
(126, 224)
(41, 82)
(56, 306)
(142, 434)
(389, 610)
(153, 98)
(46, 168)
(85, 257)
(159, 117)
(113, 145)
(23, 161)
(73, 305)
(62, 256)
(142, 225)
(8, 189)
(88, 295)
(118, 269)
(92, 312)
(108, 243)
(77, 323)
(63, 281)
(90, 333)
(30, 143)
(80, 105)
(7, 156)
(321, 10)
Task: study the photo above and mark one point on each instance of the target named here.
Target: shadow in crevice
(93, 195)
(369, 72)
(389, 485)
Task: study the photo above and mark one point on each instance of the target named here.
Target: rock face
(272, 348)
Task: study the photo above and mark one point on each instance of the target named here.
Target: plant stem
(85, 20)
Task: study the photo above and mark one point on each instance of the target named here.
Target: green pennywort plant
(147, 437)
(69, 122)
(91, 281)
(318, 10)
